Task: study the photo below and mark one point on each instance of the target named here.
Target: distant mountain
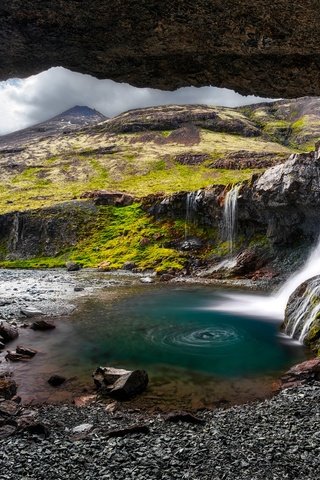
(64, 123)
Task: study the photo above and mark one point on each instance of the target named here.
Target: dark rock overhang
(262, 47)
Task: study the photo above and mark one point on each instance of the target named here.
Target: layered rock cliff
(266, 48)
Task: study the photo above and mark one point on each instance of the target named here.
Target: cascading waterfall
(273, 306)
(230, 217)
(191, 204)
(305, 312)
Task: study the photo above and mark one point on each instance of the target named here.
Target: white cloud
(24, 102)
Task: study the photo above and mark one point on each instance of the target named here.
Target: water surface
(195, 355)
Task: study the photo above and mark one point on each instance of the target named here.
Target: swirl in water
(195, 339)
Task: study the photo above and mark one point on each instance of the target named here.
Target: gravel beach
(274, 439)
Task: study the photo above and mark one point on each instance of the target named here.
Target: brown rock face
(261, 47)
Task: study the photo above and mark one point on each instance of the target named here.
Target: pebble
(277, 439)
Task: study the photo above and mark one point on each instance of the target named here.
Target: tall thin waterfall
(191, 206)
(230, 216)
(274, 305)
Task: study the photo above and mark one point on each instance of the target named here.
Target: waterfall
(274, 305)
(192, 199)
(230, 216)
(304, 312)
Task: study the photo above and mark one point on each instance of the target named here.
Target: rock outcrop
(269, 48)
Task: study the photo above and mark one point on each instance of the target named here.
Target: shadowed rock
(271, 49)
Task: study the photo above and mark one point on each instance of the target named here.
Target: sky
(25, 102)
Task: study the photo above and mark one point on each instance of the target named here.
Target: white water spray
(230, 216)
(273, 306)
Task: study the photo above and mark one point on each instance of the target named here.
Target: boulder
(73, 266)
(129, 385)
(302, 373)
(42, 325)
(108, 376)
(8, 332)
(120, 384)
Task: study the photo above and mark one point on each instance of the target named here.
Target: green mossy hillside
(114, 236)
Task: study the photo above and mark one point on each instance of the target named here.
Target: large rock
(8, 332)
(302, 373)
(271, 49)
(285, 199)
(120, 384)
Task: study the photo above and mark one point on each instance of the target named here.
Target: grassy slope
(60, 169)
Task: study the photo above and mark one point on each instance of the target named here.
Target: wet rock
(30, 312)
(128, 385)
(306, 372)
(56, 380)
(120, 384)
(8, 387)
(16, 357)
(8, 332)
(26, 351)
(108, 375)
(73, 266)
(191, 244)
(42, 325)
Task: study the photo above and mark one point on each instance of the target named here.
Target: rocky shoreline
(274, 439)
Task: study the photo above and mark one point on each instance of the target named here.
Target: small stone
(56, 380)
(146, 280)
(83, 428)
(78, 289)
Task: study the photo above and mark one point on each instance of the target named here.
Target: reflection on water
(194, 356)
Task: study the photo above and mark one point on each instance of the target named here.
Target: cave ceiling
(267, 48)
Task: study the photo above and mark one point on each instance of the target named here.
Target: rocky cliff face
(43, 233)
(266, 48)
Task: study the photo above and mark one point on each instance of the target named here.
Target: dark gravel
(275, 439)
